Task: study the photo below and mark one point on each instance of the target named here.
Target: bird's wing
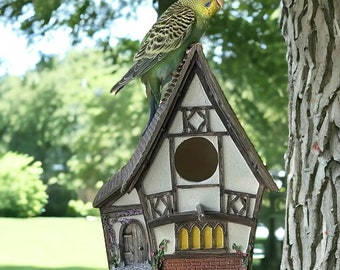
(166, 35)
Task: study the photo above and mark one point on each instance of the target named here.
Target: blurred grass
(6, 267)
(51, 243)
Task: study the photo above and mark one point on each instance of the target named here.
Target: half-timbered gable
(194, 180)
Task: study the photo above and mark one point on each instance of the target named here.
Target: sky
(16, 56)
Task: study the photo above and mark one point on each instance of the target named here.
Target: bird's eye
(207, 4)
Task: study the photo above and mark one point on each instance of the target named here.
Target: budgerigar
(164, 46)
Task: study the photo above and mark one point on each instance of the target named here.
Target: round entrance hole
(196, 159)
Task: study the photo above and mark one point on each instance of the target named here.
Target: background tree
(63, 117)
(22, 193)
(311, 30)
(247, 53)
(106, 138)
(243, 44)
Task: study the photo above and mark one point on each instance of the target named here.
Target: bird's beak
(220, 3)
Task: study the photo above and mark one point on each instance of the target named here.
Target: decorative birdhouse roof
(194, 63)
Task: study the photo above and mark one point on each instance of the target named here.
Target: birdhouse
(194, 183)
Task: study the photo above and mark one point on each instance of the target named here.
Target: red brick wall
(228, 262)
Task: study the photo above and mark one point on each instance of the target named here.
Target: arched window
(219, 237)
(200, 236)
(183, 239)
(207, 237)
(195, 238)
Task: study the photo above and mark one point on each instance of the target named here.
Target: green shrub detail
(22, 193)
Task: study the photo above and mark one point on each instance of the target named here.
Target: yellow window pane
(207, 234)
(183, 239)
(196, 237)
(219, 235)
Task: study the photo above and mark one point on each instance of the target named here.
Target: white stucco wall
(208, 197)
(176, 126)
(166, 232)
(238, 234)
(158, 177)
(128, 199)
(238, 175)
(195, 95)
(216, 124)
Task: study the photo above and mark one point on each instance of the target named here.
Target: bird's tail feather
(128, 77)
(138, 69)
(117, 87)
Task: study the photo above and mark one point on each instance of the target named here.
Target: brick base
(228, 262)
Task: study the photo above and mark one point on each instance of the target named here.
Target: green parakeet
(164, 46)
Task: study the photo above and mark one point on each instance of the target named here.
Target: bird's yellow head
(205, 8)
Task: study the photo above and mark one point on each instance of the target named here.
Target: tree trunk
(311, 29)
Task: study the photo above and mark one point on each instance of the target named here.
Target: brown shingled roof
(126, 178)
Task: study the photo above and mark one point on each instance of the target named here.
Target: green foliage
(158, 256)
(108, 126)
(249, 56)
(77, 208)
(59, 197)
(247, 53)
(244, 255)
(22, 193)
(81, 18)
(163, 5)
(65, 117)
(35, 120)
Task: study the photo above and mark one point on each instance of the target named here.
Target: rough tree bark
(311, 29)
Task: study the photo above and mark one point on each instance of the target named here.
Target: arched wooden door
(133, 243)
